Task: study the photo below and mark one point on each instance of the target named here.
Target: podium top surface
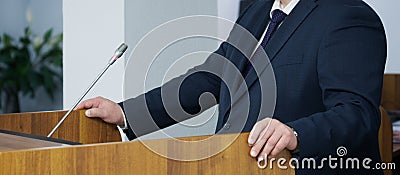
(135, 157)
(10, 141)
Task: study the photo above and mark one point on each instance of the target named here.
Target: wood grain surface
(76, 128)
(135, 158)
(10, 142)
(391, 92)
(385, 136)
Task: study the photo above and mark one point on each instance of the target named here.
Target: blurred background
(52, 49)
(30, 55)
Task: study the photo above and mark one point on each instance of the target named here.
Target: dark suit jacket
(328, 58)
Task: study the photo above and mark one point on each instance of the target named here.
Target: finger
(258, 146)
(80, 106)
(271, 123)
(272, 141)
(84, 105)
(255, 133)
(280, 146)
(87, 104)
(95, 112)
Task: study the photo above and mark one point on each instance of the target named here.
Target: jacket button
(227, 126)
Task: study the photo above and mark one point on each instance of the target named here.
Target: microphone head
(118, 53)
(120, 50)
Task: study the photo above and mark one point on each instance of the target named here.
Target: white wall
(388, 11)
(92, 31)
(143, 16)
(228, 9)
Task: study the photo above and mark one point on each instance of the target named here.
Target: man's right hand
(103, 108)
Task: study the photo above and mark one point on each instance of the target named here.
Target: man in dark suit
(328, 58)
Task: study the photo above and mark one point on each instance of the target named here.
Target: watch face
(294, 132)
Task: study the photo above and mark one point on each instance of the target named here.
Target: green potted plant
(27, 64)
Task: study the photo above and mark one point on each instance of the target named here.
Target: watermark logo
(332, 162)
(341, 151)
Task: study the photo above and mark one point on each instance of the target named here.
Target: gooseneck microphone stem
(78, 101)
(118, 53)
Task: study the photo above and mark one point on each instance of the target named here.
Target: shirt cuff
(125, 126)
(124, 137)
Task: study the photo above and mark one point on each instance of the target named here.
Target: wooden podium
(30, 154)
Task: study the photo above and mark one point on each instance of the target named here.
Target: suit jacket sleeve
(351, 61)
(191, 86)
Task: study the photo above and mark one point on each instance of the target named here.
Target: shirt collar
(287, 9)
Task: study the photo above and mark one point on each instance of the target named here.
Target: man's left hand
(269, 137)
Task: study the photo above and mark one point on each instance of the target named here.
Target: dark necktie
(277, 17)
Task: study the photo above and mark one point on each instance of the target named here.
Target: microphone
(117, 54)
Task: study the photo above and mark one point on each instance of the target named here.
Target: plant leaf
(47, 36)
(7, 39)
(27, 31)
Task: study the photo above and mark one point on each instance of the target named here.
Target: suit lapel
(277, 41)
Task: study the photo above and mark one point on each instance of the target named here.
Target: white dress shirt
(278, 6)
